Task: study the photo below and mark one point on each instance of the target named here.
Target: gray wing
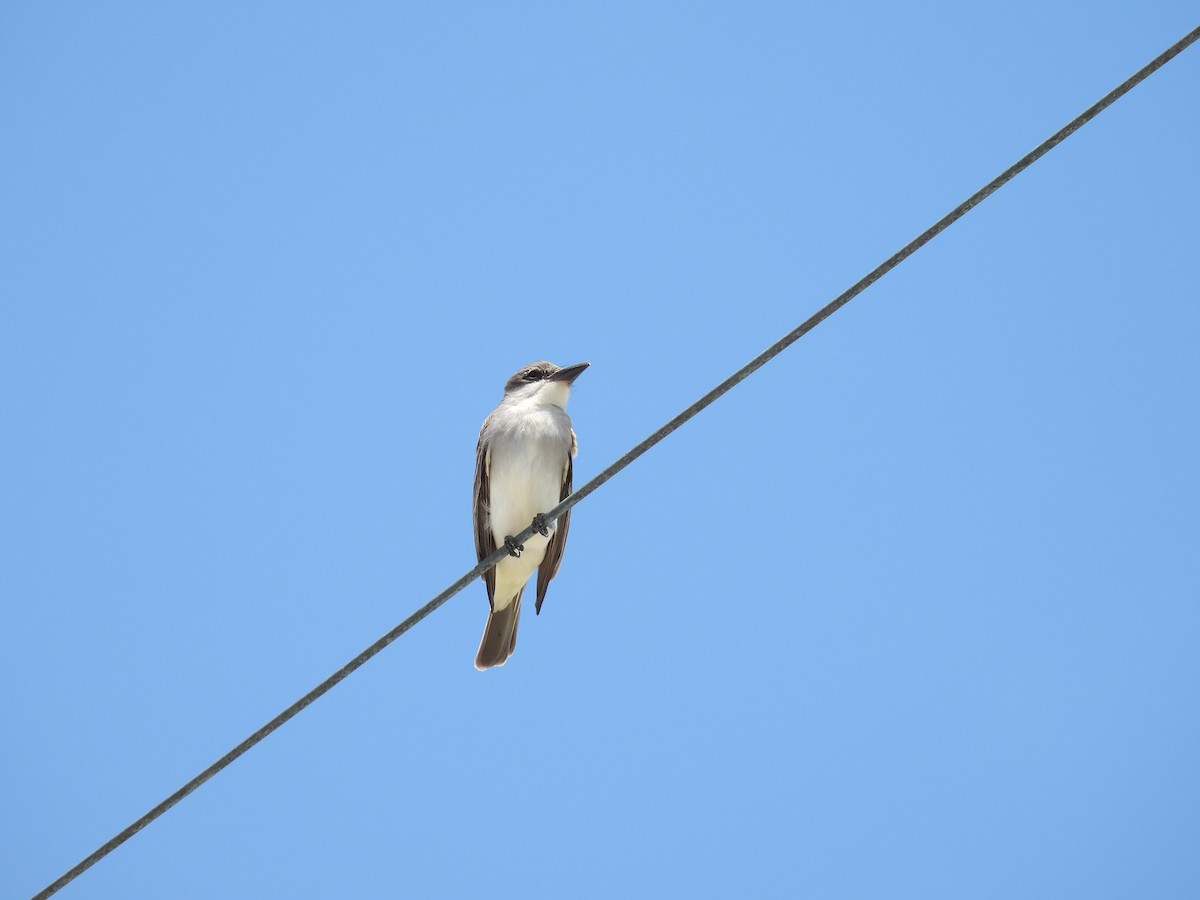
(558, 541)
(484, 542)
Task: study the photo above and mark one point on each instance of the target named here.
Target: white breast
(528, 447)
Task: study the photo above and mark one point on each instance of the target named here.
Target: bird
(523, 468)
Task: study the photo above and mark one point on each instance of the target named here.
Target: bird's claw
(514, 549)
(540, 525)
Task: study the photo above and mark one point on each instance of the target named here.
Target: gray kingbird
(523, 467)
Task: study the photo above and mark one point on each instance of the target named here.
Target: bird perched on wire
(523, 468)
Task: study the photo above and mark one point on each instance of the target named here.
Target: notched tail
(499, 636)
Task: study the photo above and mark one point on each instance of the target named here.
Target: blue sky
(912, 613)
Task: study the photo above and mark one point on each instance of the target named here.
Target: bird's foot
(540, 525)
(514, 549)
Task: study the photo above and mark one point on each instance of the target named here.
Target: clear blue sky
(914, 612)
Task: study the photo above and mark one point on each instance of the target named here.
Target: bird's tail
(499, 635)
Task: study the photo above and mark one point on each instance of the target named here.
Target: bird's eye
(533, 375)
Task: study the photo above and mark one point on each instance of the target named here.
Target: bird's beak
(569, 373)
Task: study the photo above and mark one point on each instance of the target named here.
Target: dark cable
(736, 378)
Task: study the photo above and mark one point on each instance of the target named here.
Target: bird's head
(544, 382)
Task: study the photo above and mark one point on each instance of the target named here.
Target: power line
(724, 387)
